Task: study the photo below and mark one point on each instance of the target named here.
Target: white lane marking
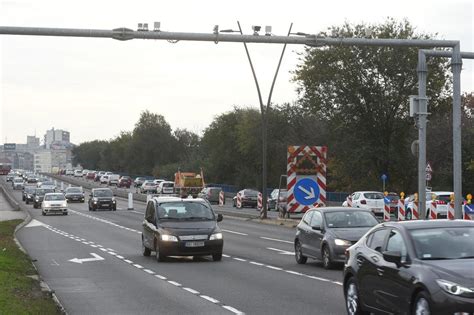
(138, 266)
(55, 263)
(143, 213)
(82, 260)
(294, 272)
(231, 309)
(224, 255)
(119, 257)
(256, 263)
(174, 283)
(234, 232)
(191, 290)
(275, 239)
(239, 259)
(281, 251)
(34, 223)
(128, 261)
(149, 271)
(273, 267)
(104, 221)
(95, 246)
(161, 277)
(110, 249)
(103, 249)
(209, 299)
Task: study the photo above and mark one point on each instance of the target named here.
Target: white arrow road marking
(80, 261)
(35, 223)
(309, 194)
(280, 251)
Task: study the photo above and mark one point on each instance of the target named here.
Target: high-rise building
(50, 160)
(32, 142)
(57, 137)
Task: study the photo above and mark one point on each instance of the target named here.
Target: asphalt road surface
(93, 262)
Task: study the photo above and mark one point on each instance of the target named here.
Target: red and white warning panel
(306, 177)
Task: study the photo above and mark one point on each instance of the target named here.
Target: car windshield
(444, 243)
(55, 197)
(373, 195)
(47, 183)
(103, 193)
(184, 211)
(74, 190)
(168, 185)
(41, 192)
(30, 190)
(349, 219)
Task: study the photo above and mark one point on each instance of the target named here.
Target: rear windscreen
(373, 195)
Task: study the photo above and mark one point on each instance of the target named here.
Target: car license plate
(194, 244)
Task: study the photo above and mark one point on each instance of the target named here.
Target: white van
(77, 173)
(165, 188)
(113, 179)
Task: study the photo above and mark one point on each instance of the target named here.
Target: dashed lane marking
(275, 239)
(234, 232)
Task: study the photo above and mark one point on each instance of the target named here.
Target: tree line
(352, 99)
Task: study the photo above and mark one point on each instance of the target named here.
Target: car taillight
(363, 202)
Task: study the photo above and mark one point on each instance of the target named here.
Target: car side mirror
(219, 217)
(393, 257)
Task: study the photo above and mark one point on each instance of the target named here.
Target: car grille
(193, 237)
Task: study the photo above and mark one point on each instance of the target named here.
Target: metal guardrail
(8, 196)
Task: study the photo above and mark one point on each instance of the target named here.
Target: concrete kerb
(15, 205)
(44, 286)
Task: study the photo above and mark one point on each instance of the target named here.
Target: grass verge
(19, 294)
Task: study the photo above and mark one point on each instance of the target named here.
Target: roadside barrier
(386, 208)
(451, 210)
(433, 210)
(468, 209)
(259, 201)
(415, 215)
(239, 201)
(401, 209)
(349, 201)
(221, 198)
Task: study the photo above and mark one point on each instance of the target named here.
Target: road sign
(80, 261)
(428, 168)
(306, 191)
(306, 162)
(428, 176)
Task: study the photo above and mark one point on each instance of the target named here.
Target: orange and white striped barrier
(239, 201)
(349, 201)
(221, 199)
(415, 215)
(259, 201)
(433, 210)
(386, 209)
(401, 210)
(451, 210)
(468, 209)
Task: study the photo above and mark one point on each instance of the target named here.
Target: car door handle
(374, 258)
(380, 271)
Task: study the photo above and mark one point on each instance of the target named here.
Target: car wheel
(27, 202)
(300, 258)
(159, 256)
(90, 209)
(422, 304)
(65, 213)
(114, 208)
(351, 293)
(146, 251)
(43, 213)
(234, 204)
(326, 257)
(217, 256)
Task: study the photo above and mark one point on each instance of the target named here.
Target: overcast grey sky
(95, 88)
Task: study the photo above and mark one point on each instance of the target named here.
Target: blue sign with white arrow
(306, 191)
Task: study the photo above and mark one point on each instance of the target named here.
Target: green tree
(362, 93)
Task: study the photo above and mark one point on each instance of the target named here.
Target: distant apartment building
(32, 142)
(48, 161)
(57, 138)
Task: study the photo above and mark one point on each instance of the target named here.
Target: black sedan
(326, 233)
(102, 198)
(28, 194)
(74, 194)
(38, 196)
(412, 267)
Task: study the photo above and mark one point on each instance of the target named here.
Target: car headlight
(454, 288)
(168, 238)
(215, 236)
(340, 242)
(37, 199)
(64, 204)
(113, 200)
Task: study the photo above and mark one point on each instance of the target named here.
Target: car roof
(174, 199)
(95, 189)
(54, 193)
(422, 224)
(338, 209)
(368, 191)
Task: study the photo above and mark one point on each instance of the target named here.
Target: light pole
(263, 110)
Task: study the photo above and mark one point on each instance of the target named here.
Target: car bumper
(180, 248)
(103, 205)
(55, 210)
(74, 198)
(445, 303)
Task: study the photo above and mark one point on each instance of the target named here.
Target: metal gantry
(124, 34)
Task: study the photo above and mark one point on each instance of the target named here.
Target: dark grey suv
(326, 233)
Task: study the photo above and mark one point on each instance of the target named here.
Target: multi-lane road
(93, 262)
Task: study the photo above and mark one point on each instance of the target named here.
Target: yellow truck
(188, 184)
